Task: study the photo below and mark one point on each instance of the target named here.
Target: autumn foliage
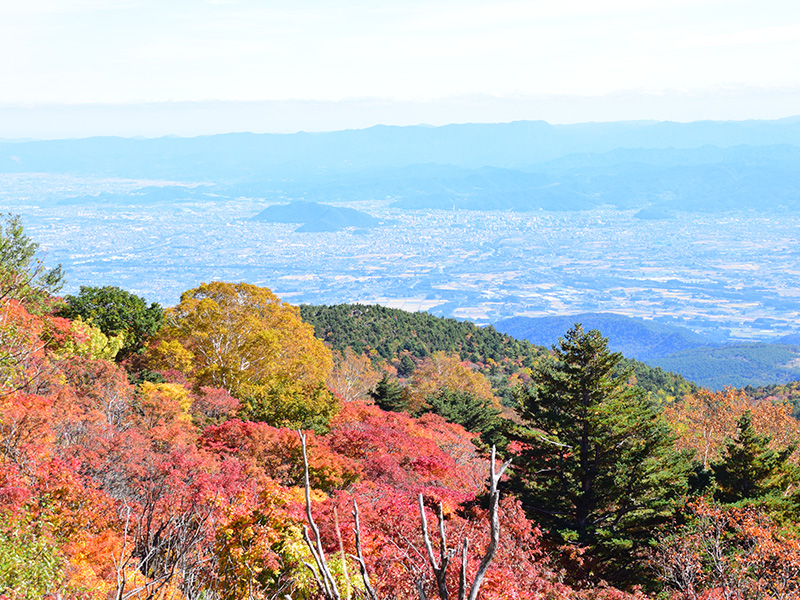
(167, 490)
(183, 476)
(704, 420)
(728, 553)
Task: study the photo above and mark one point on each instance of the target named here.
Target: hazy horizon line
(195, 118)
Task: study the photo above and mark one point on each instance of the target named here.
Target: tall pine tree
(599, 469)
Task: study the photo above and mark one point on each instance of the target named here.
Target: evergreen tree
(467, 409)
(406, 367)
(599, 469)
(473, 412)
(114, 311)
(749, 468)
(388, 394)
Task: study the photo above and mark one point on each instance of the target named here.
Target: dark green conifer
(599, 470)
(406, 367)
(748, 468)
(474, 413)
(388, 394)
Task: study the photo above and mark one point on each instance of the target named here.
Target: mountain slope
(736, 365)
(391, 333)
(316, 217)
(635, 338)
(673, 349)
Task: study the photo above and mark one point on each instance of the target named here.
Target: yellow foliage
(87, 341)
(169, 391)
(289, 404)
(241, 334)
(141, 587)
(258, 553)
(446, 371)
(88, 567)
(353, 376)
(170, 354)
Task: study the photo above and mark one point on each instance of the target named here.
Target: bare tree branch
(349, 588)
(462, 576)
(494, 497)
(328, 587)
(439, 570)
(360, 556)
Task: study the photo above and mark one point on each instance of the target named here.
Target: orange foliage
(446, 371)
(21, 347)
(729, 553)
(703, 420)
(272, 453)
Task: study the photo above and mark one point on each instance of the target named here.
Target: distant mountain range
(636, 338)
(167, 194)
(736, 365)
(317, 217)
(526, 165)
(697, 358)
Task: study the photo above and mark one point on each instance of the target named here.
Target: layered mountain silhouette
(635, 338)
(705, 361)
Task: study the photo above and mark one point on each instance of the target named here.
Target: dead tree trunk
(445, 554)
(327, 585)
(322, 574)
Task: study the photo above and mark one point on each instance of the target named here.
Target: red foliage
(406, 453)
(403, 457)
(272, 453)
(214, 405)
(155, 486)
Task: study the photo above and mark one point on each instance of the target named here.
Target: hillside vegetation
(390, 334)
(219, 450)
(736, 365)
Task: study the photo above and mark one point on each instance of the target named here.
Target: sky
(187, 67)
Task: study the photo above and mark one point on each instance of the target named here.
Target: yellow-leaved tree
(441, 371)
(242, 338)
(353, 376)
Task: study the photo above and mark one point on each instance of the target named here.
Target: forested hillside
(392, 334)
(219, 450)
(737, 364)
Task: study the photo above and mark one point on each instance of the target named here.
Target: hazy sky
(418, 61)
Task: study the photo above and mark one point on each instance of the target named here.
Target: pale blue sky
(559, 60)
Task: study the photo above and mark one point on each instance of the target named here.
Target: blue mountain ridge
(707, 362)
